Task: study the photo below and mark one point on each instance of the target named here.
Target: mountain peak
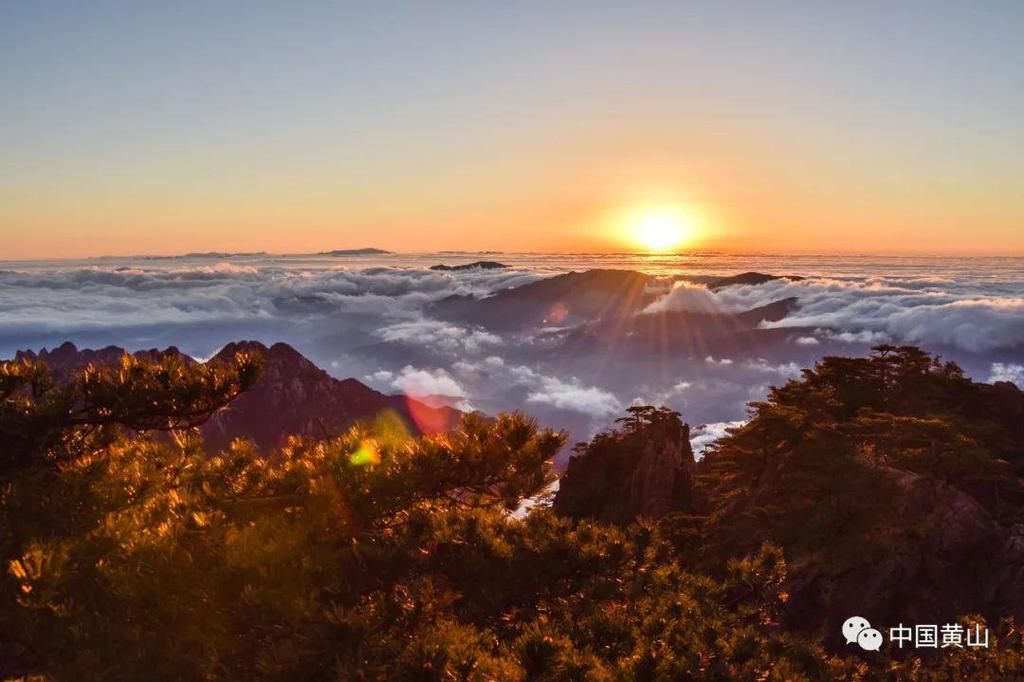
(293, 397)
(244, 346)
(367, 251)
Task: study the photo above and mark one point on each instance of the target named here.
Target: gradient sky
(782, 126)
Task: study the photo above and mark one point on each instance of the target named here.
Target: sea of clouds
(365, 317)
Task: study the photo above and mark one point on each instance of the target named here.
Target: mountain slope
(293, 397)
(575, 298)
(297, 397)
(562, 300)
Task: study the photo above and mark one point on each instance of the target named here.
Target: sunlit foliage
(130, 552)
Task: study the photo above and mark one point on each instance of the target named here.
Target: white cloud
(572, 396)
(787, 370)
(563, 394)
(439, 335)
(863, 336)
(465, 369)
(687, 297)
(949, 307)
(806, 341)
(1007, 372)
(522, 374)
(921, 310)
(425, 382)
(704, 435)
(976, 325)
(381, 376)
(171, 292)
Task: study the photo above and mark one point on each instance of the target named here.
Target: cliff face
(645, 473)
(662, 481)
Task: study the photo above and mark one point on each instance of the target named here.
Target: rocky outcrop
(647, 473)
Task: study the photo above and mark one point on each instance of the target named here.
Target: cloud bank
(927, 310)
(368, 320)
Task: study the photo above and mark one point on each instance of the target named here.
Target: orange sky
(537, 199)
(509, 129)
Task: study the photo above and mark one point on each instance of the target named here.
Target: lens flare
(366, 455)
(428, 419)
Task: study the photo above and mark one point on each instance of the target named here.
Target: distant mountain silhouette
(67, 358)
(207, 254)
(579, 297)
(771, 312)
(563, 300)
(294, 396)
(477, 265)
(355, 252)
(749, 278)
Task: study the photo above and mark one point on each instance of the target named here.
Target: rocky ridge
(293, 397)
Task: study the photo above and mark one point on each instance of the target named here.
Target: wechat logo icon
(858, 630)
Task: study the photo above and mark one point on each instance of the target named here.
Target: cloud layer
(922, 310)
(368, 319)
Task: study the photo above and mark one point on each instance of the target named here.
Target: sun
(660, 229)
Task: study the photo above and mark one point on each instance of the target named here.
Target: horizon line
(212, 254)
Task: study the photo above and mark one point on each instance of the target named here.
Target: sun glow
(660, 229)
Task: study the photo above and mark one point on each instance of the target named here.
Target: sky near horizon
(785, 126)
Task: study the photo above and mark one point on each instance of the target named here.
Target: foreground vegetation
(129, 552)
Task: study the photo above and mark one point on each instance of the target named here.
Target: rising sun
(660, 229)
